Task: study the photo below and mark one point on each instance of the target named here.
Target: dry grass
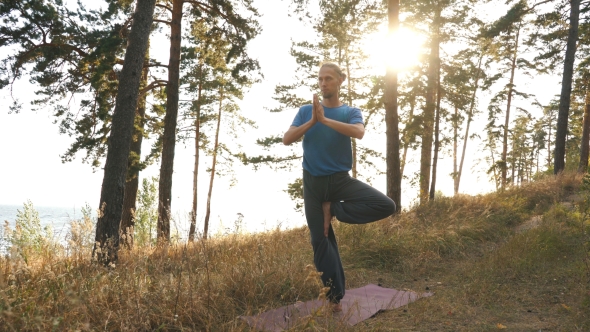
(485, 275)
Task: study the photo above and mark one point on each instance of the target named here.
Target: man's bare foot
(336, 307)
(327, 217)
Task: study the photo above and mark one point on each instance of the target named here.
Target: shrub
(28, 238)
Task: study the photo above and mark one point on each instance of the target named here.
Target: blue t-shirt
(326, 151)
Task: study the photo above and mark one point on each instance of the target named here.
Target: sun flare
(399, 51)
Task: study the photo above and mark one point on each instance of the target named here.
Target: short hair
(335, 67)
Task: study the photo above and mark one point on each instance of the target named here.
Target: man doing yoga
(328, 190)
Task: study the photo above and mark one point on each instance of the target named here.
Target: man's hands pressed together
(356, 130)
(317, 110)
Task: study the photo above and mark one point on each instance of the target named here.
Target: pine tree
(430, 105)
(465, 76)
(522, 148)
(239, 31)
(442, 19)
(566, 88)
(111, 197)
(134, 165)
(549, 120)
(90, 45)
(507, 33)
(394, 175)
(68, 54)
(208, 76)
(584, 87)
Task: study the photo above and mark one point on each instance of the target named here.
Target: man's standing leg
(325, 249)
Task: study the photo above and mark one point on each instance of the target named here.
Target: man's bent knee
(390, 207)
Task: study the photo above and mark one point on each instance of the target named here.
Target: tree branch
(150, 65)
(162, 21)
(535, 5)
(208, 8)
(164, 6)
(21, 58)
(156, 65)
(152, 86)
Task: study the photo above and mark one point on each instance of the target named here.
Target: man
(328, 190)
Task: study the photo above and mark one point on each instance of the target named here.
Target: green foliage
(507, 22)
(28, 238)
(216, 59)
(295, 191)
(551, 34)
(68, 54)
(146, 215)
(520, 135)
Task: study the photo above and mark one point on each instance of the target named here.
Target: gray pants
(353, 202)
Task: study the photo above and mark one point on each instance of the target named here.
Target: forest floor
(517, 260)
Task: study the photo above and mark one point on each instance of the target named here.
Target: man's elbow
(360, 134)
(285, 141)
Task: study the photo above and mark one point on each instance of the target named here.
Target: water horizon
(55, 216)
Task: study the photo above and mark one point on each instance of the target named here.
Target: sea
(57, 217)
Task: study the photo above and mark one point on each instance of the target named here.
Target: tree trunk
(494, 166)
(508, 103)
(191, 232)
(513, 161)
(537, 171)
(406, 138)
(549, 142)
(428, 115)
(394, 173)
(584, 145)
(518, 173)
(469, 119)
(455, 146)
(566, 88)
(169, 137)
(132, 184)
(521, 169)
(436, 134)
(111, 196)
(215, 147)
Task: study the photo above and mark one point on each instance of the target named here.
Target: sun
(399, 51)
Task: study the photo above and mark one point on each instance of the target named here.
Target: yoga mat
(357, 305)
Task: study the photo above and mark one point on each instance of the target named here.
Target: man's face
(329, 82)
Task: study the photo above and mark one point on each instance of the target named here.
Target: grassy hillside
(517, 260)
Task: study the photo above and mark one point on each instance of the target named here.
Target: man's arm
(354, 130)
(295, 133)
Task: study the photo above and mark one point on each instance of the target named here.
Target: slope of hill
(516, 260)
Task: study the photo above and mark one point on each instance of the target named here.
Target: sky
(30, 147)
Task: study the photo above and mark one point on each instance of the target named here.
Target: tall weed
(80, 237)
